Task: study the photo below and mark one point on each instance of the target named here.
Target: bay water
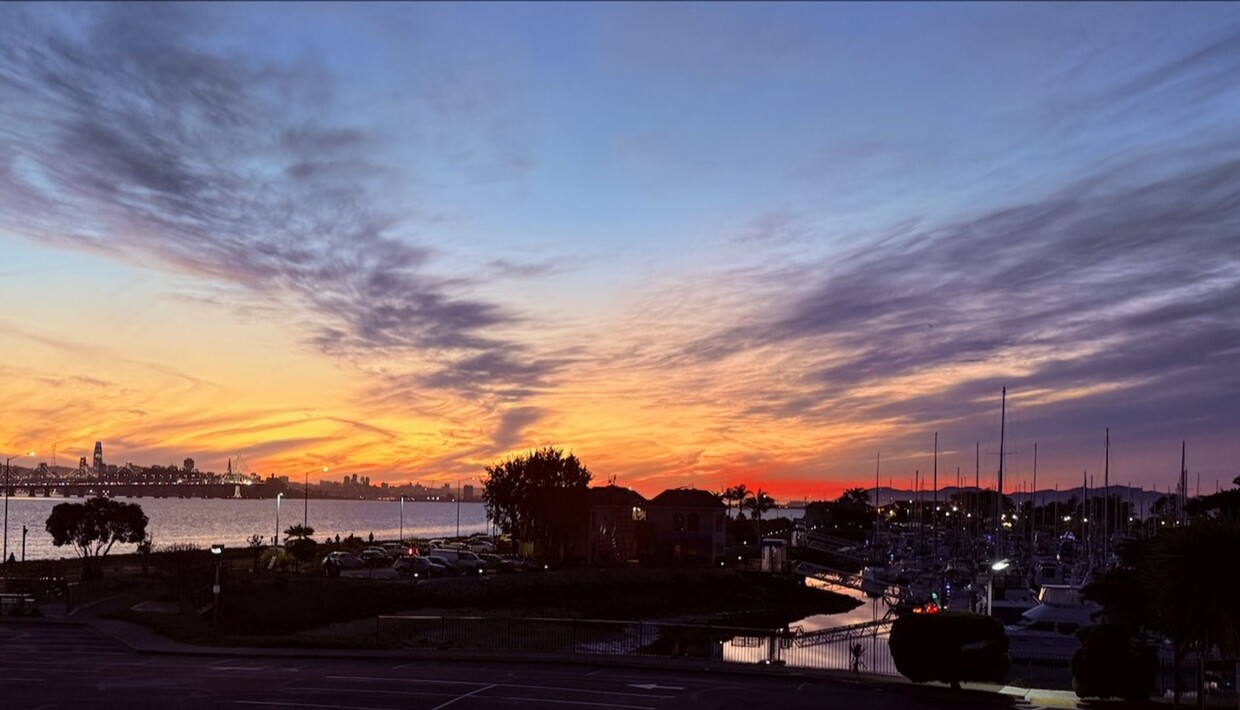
(231, 522)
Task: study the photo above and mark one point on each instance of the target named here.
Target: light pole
(218, 551)
(278, 497)
(305, 520)
(458, 510)
(402, 520)
(8, 466)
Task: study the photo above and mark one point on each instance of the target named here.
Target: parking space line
(273, 703)
(573, 702)
(551, 688)
(458, 698)
(373, 679)
(370, 691)
(555, 689)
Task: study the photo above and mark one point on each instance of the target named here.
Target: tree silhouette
(525, 495)
(94, 527)
(728, 496)
(256, 547)
(855, 496)
(759, 502)
(299, 541)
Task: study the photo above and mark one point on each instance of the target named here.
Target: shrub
(276, 560)
(1111, 663)
(950, 647)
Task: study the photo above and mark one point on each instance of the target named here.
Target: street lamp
(990, 583)
(218, 551)
(8, 465)
(305, 520)
(278, 497)
(402, 520)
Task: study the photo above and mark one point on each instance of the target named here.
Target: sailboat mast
(934, 514)
(1183, 482)
(999, 500)
(1106, 502)
(1033, 505)
(878, 460)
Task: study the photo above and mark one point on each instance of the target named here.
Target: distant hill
(1142, 499)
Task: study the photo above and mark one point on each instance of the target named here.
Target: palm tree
(298, 531)
(759, 502)
(299, 543)
(739, 493)
(728, 496)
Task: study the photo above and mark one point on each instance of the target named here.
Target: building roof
(686, 498)
(615, 496)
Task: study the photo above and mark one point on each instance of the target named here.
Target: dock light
(217, 549)
(1001, 565)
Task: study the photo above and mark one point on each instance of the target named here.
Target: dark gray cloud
(1127, 293)
(124, 132)
(512, 425)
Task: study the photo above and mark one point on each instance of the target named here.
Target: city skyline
(694, 245)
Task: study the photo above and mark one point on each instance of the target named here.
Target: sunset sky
(697, 245)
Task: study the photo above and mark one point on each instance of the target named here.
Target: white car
(463, 560)
(342, 560)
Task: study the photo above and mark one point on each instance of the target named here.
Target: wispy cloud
(133, 137)
(1125, 299)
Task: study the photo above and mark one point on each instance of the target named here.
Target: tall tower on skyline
(98, 458)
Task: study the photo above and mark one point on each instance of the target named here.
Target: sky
(784, 245)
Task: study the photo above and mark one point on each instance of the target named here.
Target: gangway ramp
(891, 593)
(835, 546)
(822, 637)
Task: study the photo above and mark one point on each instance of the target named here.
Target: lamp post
(218, 551)
(278, 497)
(8, 466)
(305, 520)
(402, 520)
(990, 584)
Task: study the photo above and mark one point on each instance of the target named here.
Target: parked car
(342, 560)
(417, 566)
(372, 557)
(465, 560)
(449, 566)
(395, 549)
(514, 563)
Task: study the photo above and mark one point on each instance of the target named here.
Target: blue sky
(696, 243)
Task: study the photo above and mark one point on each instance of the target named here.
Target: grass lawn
(266, 609)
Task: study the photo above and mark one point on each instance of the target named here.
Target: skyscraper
(98, 458)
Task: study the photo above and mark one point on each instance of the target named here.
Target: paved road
(66, 666)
